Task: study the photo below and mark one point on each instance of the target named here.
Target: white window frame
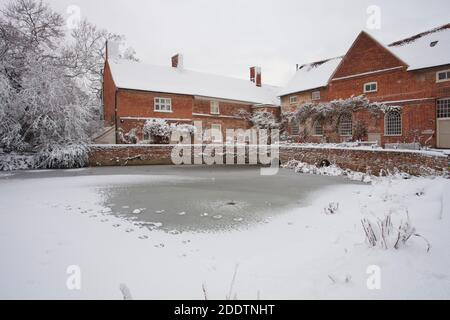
(386, 133)
(315, 125)
(215, 104)
(163, 102)
(447, 74)
(437, 109)
(293, 99)
(315, 95)
(340, 124)
(214, 127)
(295, 124)
(370, 84)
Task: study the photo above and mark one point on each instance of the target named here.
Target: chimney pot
(177, 61)
(255, 76)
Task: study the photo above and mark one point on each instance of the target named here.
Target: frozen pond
(191, 198)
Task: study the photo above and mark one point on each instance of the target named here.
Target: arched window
(393, 124)
(346, 125)
(295, 128)
(318, 128)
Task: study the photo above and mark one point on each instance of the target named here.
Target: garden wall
(376, 161)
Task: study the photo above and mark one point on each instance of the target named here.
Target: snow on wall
(374, 161)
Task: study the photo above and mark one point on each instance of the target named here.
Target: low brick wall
(132, 155)
(375, 162)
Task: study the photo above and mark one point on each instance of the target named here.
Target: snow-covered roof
(311, 76)
(138, 76)
(428, 49)
(424, 50)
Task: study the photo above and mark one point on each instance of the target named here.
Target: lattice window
(295, 128)
(443, 76)
(215, 109)
(163, 104)
(393, 124)
(293, 100)
(315, 95)
(443, 108)
(318, 129)
(370, 87)
(346, 125)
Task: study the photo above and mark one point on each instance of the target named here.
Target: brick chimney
(255, 76)
(177, 61)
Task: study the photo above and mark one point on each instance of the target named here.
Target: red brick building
(134, 93)
(413, 73)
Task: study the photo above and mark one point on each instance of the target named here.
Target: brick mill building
(413, 73)
(134, 93)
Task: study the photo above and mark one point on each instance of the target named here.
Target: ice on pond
(239, 197)
(152, 225)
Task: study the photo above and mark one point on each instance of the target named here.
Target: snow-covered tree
(49, 85)
(260, 119)
(264, 120)
(84, 56)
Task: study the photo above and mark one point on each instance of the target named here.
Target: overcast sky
(228, 36)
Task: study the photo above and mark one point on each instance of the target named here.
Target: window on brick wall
(216, 133)
(163, 104)
(370, 87)
(215, 108)
(346, 125)
(318, 128)
(443, 76)
(295, 128)
(315, 95)
(293, 100)
(443, 108)
(393, 124)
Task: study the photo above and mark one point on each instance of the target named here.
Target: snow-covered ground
(48, 224)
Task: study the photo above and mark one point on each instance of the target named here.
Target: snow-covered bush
(131, 137)
(331, 170)
(157, 130)
(160, 131)
(12, 161)
(63, 157)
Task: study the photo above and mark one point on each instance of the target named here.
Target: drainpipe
(115, 115)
